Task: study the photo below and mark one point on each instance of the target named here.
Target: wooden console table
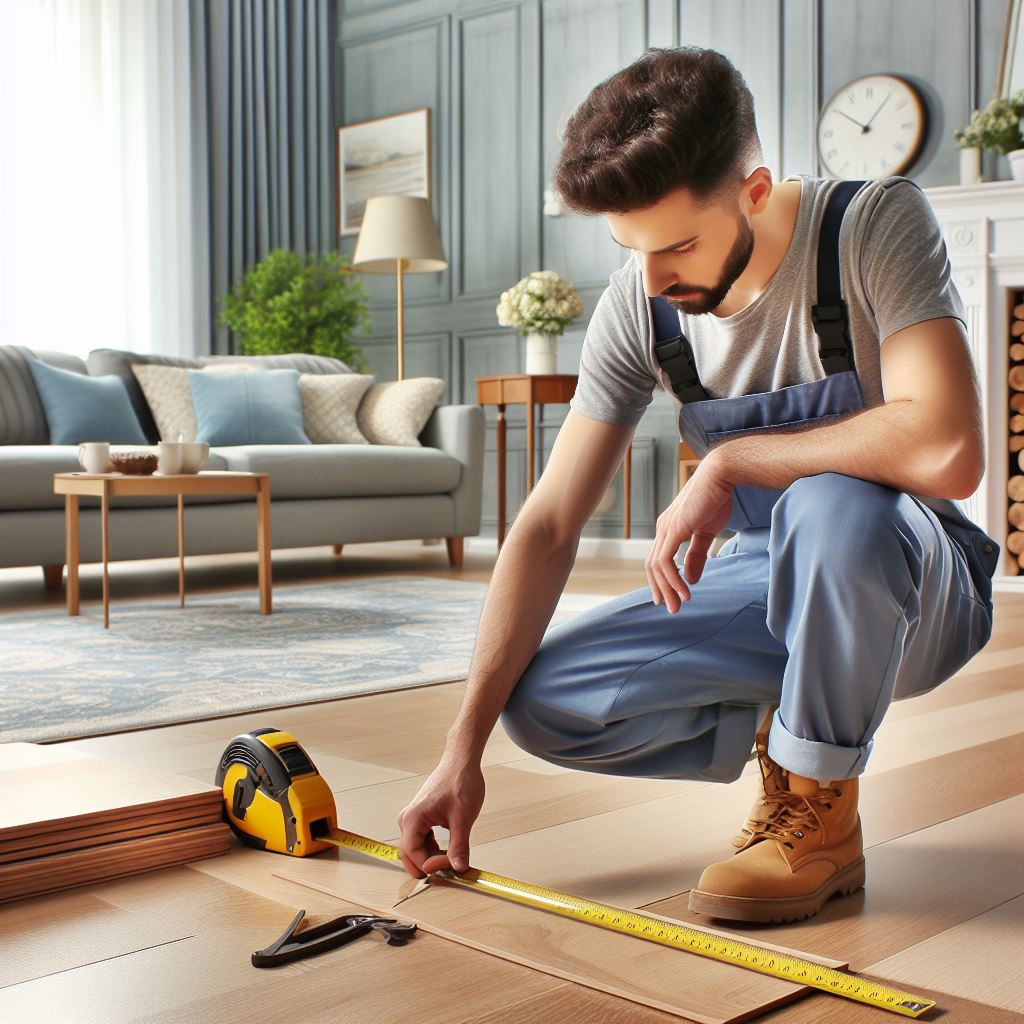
(110, 485)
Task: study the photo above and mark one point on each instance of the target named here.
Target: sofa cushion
(346, 470)
(395, 411)
(22, 417)
(26, 478)
(248, 408)
(102, 361)
(81, 408)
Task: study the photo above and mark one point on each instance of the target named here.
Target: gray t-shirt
(894, 272)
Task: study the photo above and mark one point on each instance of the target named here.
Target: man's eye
(683, 252)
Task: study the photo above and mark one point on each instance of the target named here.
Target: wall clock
(872, 127)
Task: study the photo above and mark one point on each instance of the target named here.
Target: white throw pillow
(329, 401)
(395, 411)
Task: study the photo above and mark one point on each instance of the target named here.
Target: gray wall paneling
(500, 78)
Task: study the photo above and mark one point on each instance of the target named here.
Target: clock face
(872, 127)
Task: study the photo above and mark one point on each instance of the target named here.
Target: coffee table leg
(263, 541)
(105, 535)
(181, 551)
(501, 473)
(71, 549)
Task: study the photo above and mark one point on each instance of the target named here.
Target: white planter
(970, 166)
(541, 353)
(1016, 158)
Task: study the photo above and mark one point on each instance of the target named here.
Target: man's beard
(709, 298)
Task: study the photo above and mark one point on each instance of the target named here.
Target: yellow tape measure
(665, 933)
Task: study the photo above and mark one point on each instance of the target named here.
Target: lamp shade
(398, 228)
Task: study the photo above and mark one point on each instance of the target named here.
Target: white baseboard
(590, 547)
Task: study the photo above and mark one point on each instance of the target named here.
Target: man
(817, 349)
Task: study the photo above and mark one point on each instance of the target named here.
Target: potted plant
(540, 306)
(999, 126)
(289, 304)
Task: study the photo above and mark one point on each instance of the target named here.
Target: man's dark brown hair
(674, 118)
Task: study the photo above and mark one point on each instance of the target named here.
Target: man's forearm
(900, 444)
(528, 578)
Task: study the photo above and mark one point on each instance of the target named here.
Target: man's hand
(697, 514)
(451, 797)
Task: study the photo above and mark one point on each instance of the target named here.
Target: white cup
(94, 456)
(171, 453)
(194, 455)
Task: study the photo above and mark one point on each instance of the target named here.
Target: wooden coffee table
(112, 485)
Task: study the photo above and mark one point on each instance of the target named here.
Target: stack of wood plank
(1015, 484)
(69, 818)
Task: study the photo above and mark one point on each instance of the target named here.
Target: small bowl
(134, 463)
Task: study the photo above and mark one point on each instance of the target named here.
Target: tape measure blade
(726, 947)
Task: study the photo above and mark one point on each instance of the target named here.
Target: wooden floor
(942, 805)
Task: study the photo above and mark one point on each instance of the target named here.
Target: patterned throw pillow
(169, 399)
(329, 403)
(395, 411)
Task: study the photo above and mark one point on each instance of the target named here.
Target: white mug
(194, 455)
(94, 456)
(171, 454)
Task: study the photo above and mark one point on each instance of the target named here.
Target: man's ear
(757, 188)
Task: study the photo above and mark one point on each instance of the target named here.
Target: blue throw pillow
(261, 407)
(81, 408)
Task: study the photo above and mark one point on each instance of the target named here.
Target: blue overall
(832, 598)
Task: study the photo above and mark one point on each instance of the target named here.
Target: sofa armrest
(458, 431)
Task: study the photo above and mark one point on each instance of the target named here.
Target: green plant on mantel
(999, 126)
(289, 304)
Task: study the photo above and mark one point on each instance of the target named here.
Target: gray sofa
(328, 494)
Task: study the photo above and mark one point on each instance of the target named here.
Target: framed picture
(387, 156)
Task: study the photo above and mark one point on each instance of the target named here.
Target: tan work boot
(771, 780)
(810, 848)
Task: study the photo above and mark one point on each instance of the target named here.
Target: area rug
(64, 677)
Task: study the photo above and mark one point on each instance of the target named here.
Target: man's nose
(657, 275)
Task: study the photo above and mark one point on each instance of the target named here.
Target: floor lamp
(398, 236)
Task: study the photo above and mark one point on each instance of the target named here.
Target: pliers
(329, 935)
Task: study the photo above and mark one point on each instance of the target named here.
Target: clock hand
(848, 118)
(875, 114)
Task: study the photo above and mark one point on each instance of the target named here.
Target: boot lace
(792, 815)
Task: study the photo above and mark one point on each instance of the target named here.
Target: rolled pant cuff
(825, 762)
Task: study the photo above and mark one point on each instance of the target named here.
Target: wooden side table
(111, 485)
(531, 390)
(544, 389)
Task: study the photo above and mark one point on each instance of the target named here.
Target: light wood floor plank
(981, 959)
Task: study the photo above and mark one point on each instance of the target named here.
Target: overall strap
(672, 349)
(830, 316)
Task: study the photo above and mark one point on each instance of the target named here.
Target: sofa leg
(337, 549)
(54, 576)
(454, 551)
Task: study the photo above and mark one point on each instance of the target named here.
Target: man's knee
(844, 515)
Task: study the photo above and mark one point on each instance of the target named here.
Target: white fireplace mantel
(983, 227)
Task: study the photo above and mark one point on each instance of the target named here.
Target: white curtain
(96, 203)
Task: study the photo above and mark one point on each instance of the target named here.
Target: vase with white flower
(540, 306)
(1000, 126)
